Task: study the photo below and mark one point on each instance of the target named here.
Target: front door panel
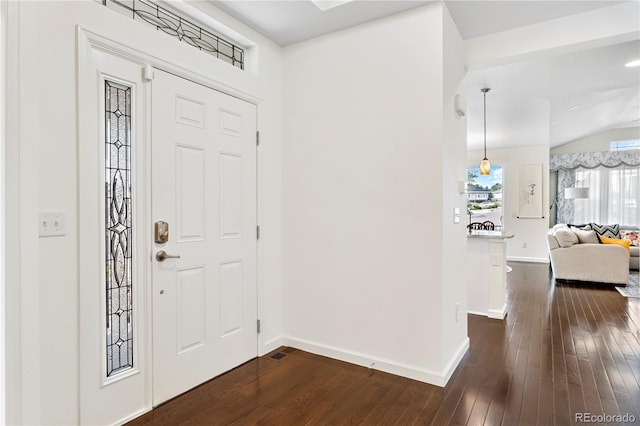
(204, 187)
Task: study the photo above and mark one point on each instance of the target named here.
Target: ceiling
(292, 21)
(556, 99)
(546, 101)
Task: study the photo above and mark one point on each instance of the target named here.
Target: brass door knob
(162, 255)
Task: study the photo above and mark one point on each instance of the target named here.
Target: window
(164, 20)
(614, 195)
(624, 145)
(484, 196)
(118, 228)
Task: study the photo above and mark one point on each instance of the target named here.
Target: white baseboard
(455, 360)
(528, 259)
(492, 313)
(498, 313)
(270, 345)
(377, 363)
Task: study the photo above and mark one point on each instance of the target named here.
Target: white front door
(204, 187)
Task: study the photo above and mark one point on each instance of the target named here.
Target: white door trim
(20, 171)
(88, 41)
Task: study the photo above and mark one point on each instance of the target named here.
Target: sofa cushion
(586, 237)
(566, 237)
(616, 241)
(609, 231)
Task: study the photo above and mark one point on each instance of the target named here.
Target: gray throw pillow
(566, 237)
(586, 237)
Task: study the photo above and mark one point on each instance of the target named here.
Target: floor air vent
(278, 355)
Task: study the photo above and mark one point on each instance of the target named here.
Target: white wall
(454, 171)
(364, 165)
(42, 157)
(597, 141)
(530, 231)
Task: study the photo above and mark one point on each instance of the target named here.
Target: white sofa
(603, 263)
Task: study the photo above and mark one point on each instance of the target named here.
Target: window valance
(590, 160)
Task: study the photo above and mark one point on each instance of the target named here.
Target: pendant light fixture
(485, 165)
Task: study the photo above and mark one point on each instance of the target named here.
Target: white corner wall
(42, 174)
(454, 171)
(530, 231)
(364, 165)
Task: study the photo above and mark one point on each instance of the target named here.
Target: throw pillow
(623, 243)
(565, 237)
(631, 236)
(586, 237)
(609, 231)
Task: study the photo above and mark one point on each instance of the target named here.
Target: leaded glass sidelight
(118, 229)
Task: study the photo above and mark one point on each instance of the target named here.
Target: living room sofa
(592, 262)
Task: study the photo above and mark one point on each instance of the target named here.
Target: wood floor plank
(564, 348)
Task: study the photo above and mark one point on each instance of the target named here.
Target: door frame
(148, 57)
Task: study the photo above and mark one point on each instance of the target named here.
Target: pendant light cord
(484, 93)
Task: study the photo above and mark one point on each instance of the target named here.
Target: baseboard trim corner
(133, 416)
(455, 361)
(498, 313)
(270, 345)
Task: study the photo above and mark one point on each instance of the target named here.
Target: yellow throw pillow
(623, 243)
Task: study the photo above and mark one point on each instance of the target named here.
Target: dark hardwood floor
(563, 349)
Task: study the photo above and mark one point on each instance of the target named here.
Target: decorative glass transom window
(118, 228)
(170, 23)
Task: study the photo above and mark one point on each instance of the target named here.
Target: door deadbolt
(161, 232)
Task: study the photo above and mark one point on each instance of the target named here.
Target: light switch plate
(456, 215)
(51, 223)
